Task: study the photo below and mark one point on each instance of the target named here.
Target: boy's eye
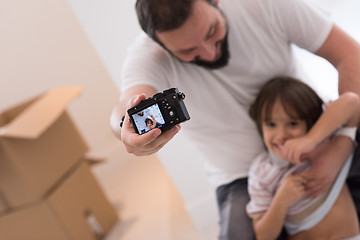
(293, 123)
(270, 124)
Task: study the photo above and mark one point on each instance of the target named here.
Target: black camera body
(163, 110)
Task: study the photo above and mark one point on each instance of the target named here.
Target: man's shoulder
(145, 44)
(144, 51)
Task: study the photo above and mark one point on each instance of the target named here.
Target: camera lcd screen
(148, 118)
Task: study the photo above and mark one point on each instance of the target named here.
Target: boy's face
(200, 38)
(148, 123)
(281, 127)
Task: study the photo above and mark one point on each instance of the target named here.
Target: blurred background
(47, 44)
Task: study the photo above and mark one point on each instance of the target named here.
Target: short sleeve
(260, 186)
(304, 24)
(260, 198)
(146, 63)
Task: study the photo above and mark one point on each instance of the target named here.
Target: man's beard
(219, 63)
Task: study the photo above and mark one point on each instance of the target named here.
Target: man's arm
(144, 144)
(124, 103)
(343, 52)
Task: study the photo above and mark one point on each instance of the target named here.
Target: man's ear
(217, 1)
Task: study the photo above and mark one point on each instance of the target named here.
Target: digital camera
(163, 110)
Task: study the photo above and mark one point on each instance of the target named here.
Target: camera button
(157, 95)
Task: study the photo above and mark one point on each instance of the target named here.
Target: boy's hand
(294, 149)
(292, 189)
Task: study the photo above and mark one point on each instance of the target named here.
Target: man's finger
(316, 191)
(308, 175)
(135, 100)
(316, 187)
(140, 141)
(164, 138)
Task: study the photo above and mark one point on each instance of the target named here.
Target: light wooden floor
(146, 200)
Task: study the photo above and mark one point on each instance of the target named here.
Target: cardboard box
(38, 144)
(77, 209)
(2, 205)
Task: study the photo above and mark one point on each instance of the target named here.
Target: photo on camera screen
(148, 118)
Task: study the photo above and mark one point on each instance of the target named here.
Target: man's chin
(220, 63)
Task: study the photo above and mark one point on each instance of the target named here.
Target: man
(220, 54)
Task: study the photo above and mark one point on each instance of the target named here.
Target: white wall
(43, 46)
(111, 26)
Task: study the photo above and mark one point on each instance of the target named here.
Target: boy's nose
(282, 135)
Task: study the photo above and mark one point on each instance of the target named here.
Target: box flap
(35, 119)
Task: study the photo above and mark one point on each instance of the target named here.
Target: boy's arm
(270, 224)
(342, 112)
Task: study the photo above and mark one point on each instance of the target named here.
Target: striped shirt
(265, 175)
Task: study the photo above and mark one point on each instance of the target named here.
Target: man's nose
(208, 51)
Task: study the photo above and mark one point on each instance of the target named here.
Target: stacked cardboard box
(47, 190)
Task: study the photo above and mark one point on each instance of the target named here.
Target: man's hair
(164, 15)
(298, 99)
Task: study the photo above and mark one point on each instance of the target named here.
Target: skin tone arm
(144, 144)
(270, 225)
(343, 52)
(343, 111)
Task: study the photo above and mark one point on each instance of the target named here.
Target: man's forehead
(194, 30)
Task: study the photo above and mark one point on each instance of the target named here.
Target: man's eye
(212, 32)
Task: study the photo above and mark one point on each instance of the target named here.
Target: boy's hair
(298, 99)
(164, 15)
(148, 120)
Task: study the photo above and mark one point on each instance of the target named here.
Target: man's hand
(148, 143)
(326, 160)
